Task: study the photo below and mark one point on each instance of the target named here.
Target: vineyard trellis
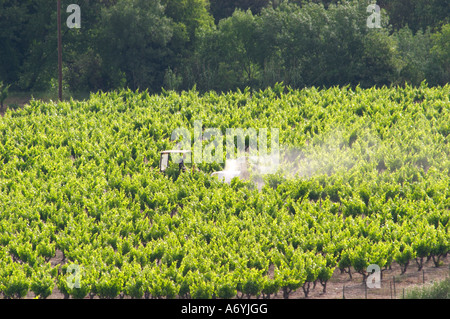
(398, 285)
(81, 180)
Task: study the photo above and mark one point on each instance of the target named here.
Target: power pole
(59, 53)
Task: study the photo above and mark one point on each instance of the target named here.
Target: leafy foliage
(81, 179)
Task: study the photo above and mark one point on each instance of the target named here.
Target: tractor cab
(165, 156)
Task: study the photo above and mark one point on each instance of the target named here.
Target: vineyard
(364, 178)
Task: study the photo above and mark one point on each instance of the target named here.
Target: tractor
(164, 159)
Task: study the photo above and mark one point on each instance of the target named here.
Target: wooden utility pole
(59, 52)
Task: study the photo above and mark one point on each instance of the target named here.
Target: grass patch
(439, 290)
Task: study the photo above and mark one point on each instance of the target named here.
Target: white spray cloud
(322, 156)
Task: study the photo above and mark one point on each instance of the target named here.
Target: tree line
(224, 45)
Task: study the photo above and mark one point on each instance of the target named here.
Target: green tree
(132, 42)
(26, 48)
(83, 65)
(187, 18)
(416, 14)
(440, 56)
(413, 52)
(291, 46)
(379, 59)
(225, 56)
(223, 9)
(189, 14)
(3, 93)
(14, 40)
